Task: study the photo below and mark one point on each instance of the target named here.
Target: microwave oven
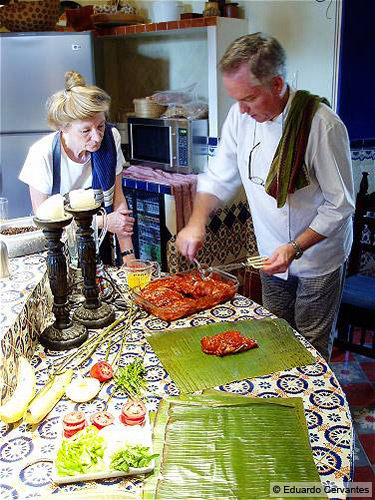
(171, 144)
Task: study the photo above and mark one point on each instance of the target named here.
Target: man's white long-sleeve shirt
(325, 205)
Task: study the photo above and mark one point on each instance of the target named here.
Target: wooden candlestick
(92, 313)
(64, 333)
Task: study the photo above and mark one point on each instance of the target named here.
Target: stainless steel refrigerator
(32, 67)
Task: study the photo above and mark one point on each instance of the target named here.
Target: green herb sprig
(131, 456)
(130, 379)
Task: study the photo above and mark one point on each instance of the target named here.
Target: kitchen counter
(26, 451)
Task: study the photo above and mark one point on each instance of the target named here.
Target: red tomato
(133, 413)
(74, 418)
(73, 422)
(102, 419)
(69, 431)
(102, 371)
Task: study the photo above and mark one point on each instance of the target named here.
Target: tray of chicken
(185, 293)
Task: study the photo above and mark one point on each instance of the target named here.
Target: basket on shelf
(147, 108)
(41, 15)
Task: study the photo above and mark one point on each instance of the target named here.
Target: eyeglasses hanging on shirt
(254, 178)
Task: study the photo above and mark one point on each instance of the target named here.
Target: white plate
(116, 436)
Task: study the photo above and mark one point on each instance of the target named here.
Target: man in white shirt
(301, 216)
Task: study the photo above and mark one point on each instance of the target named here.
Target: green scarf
(288, 171)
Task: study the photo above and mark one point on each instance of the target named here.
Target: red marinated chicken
(182, 294)
(225, 343)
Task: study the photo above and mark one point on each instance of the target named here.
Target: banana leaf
(224, 446)
(180, 352)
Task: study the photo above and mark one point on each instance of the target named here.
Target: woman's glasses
(254, 178)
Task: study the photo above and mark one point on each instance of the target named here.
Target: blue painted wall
(356, 95)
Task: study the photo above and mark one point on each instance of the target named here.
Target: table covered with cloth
(26, 452)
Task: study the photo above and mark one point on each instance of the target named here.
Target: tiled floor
(356, 375)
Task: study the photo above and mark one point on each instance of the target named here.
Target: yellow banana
(46, 399)
(15, 407)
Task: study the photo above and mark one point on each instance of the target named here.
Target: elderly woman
(84, 151)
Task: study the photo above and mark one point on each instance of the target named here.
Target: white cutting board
(116, 436)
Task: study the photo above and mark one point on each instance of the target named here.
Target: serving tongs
(257, 261)
(205, 271)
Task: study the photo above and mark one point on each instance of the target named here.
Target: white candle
(52, 208)
(82, 199)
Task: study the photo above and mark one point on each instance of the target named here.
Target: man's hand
(279, 260)
(190, 239)
(121, 223)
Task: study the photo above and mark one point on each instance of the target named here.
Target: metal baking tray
(23, 243)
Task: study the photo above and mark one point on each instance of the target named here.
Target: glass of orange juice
(139, 272)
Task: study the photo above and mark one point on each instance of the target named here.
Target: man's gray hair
(263, 53)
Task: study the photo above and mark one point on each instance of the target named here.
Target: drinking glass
(3, 209)
(97, 235)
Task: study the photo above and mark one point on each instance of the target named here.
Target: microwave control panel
(183, 147)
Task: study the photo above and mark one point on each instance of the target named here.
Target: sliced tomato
(133, 413)
(102, 419)
(134, 409)
(127, 421)
(75, 428)
(74, 418)
(70, 431)
(102, 371)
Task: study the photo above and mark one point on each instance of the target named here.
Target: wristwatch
(127, 252)
(297, 249)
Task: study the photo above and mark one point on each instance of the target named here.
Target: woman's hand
(128, 258)
(279, 260)
(121, 223)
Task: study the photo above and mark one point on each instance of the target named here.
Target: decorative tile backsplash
(229, 238)
(363, 160)
(163, 26)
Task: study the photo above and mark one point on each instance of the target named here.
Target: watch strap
(127, 252)
(297, 249)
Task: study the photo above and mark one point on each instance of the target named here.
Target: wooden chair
(357, 310)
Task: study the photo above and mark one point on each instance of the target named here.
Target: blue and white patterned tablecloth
(26, 451)
(25, 311)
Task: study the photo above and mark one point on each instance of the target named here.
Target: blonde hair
(264, 54)
(77, 102)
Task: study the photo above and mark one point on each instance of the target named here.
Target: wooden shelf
(214, 33)
(153, 28)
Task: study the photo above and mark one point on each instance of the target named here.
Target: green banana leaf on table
(223, 446)
(180, 353)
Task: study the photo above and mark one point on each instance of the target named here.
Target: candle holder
(63, 333)
(93, 313)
